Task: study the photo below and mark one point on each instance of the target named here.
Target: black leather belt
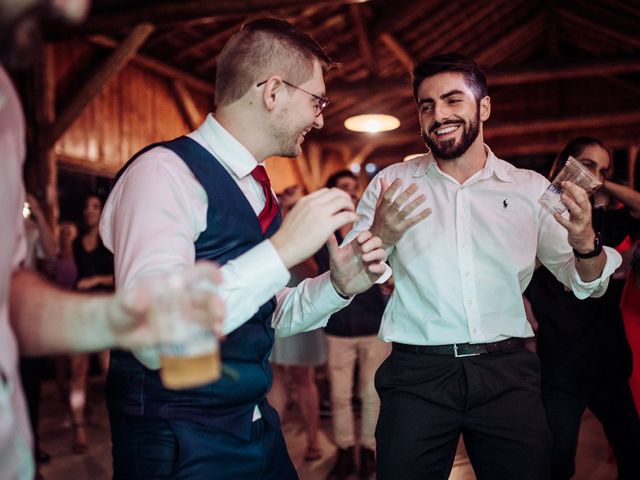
(462, 349)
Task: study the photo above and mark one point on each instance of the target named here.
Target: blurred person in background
(295, 357)
(37, 318)
(585, 357)
(352, 337)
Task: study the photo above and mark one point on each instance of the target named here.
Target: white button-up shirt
(460, 273)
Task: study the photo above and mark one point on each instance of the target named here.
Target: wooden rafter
(502, 77)
(585, 23)
(158, 67)
(181, 11)
(511, 41)
(492, 131)
(186, 104)
(116, 62)
(551, 21)
(363, 39)
(395, 47)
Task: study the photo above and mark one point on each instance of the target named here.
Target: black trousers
(613, 406)
(492, 400)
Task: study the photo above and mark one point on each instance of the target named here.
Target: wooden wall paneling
(116, 61)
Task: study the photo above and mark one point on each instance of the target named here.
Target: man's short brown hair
(263, 48)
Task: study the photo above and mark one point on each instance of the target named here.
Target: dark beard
(448, 150)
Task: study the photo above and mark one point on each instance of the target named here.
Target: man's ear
(485, 108)
(272, 88)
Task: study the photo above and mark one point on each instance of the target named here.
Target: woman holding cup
(584, 354)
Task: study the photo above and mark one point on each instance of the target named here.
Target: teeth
(443, 131)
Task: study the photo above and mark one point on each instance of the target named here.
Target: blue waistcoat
(232, 229)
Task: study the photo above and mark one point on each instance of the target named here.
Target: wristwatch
(597, 248)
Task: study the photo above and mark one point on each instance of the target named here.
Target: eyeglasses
(321, 103)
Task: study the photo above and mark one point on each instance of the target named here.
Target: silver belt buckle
(460, 355)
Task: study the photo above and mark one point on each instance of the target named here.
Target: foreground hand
(137, 322)
(310, 223)
(355, 267)
(393, 217)
(581, 235)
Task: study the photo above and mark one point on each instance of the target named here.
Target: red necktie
(270, 209)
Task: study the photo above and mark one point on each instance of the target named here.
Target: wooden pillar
(41, 167)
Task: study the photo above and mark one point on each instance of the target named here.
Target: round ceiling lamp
(372, 123)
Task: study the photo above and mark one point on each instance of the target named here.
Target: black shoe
(42, 457)
(367, 463)
(344, 466)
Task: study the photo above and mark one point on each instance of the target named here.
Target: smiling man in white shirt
(456, 317)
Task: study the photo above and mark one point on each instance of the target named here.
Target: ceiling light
(372, 123)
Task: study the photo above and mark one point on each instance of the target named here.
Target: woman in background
(95, 273)
(584, 354)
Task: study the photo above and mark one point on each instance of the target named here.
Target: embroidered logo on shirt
(505, 204)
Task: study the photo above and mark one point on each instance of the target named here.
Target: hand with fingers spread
(393, 216)
(581, 235)
(355, 267)
(310, 223)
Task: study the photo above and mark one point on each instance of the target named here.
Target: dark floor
(592, 463)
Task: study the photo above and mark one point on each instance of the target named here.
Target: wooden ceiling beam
(181, 11)
(585, 23)
(363, 39)
(396, 48)
(493, 131)
(158, 67)
(510, 41)
(116, 62)
(496, 78)
(186, 104)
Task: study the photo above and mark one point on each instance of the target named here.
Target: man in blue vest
(206, 195)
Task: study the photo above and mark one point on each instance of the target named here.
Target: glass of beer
(189, 353)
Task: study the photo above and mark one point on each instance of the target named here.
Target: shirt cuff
(328, 292)
(249, 281)
(596, 288)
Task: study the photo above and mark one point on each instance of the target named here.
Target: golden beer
(188, 372)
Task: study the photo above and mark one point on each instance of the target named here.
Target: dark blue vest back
(232, 229)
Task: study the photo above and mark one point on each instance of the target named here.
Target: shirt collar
(491, 167)
(226, 148)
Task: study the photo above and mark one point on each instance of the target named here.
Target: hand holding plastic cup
(574, 172)
(189, 353)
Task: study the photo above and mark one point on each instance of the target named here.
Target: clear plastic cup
(189, 354)
(573, 171)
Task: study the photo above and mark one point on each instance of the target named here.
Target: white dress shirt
(16, 461)
(158, 209)
(459, 275)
